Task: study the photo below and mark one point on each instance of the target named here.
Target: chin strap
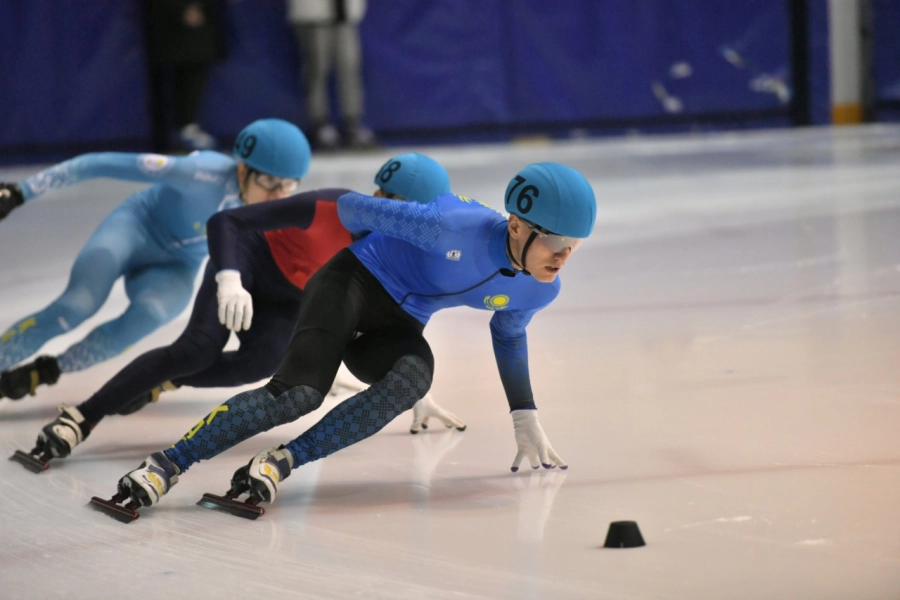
(520, 263)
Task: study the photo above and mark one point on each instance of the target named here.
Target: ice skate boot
(259, 479)
(142, 487)
(146, 398)
(56, 440)
(152, 480)
(266, 470)
(16, 383)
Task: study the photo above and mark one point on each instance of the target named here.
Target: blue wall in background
(73, 74)
(70, 72)
(886, 59)
(529, 62)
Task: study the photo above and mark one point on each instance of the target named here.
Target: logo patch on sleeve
(154, 164)
(454, 254)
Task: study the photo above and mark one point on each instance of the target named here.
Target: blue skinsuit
(464, 245)
(450, 252)
(156, 239)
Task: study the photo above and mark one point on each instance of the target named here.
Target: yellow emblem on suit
(498, 302)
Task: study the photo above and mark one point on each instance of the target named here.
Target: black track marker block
(624, 534)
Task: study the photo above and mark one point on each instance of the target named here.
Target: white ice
(721, 367)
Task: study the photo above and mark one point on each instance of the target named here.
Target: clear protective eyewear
(555, 242)
(270, 183)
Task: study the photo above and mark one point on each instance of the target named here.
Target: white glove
(533, 442)
(426, 408)
(235, 303)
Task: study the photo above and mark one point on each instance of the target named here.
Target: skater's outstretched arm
(418, 224)
(511, 353)
(145, 168)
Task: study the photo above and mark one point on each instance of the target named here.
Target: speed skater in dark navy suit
(261, 258)
(369, 306)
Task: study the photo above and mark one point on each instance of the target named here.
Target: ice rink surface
(722, 366)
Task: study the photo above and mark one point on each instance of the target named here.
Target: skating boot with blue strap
(144, 486)
(259, 479)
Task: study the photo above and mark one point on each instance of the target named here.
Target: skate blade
(232, 507)
(30, 462)
(120, 513)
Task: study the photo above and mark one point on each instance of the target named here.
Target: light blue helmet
(275, 147)
(554, 196)
(413, 176)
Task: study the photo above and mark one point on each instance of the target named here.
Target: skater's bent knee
(296, 402)
(76, 305)
(415, 371)
(196, 347)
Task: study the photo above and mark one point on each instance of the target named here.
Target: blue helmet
(413, 176)
(275, 147)
(554, 196)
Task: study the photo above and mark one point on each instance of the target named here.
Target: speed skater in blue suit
(369, 305)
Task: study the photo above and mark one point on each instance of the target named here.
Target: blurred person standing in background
(328, 37)
(183, 39)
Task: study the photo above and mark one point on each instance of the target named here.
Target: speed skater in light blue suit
(155, 240)
(368, 307)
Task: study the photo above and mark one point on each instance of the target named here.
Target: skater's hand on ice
(426, 408)
(10, 197)
(235, 303)
(533, 443)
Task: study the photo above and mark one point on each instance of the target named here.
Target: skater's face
(546, 255)
(259, 187)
